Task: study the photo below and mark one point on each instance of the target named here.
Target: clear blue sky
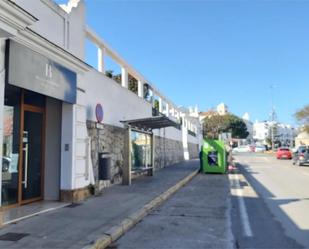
(206, 52)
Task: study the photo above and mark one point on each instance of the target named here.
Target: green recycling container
(213, 156)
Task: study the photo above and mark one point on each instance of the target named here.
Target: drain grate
(73, 205)
(13, 236)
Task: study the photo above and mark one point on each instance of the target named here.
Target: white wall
(118, 103)
(170, 133)
(81, 167)
(51, 23)
(67, 147)
(62, 28)
(75, 29)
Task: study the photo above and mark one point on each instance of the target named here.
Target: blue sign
(99, 113)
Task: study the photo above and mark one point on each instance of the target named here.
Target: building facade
(284, 134)
(58, 114)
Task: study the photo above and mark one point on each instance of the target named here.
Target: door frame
(42, 110)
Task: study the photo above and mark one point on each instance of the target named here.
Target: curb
(115, 232)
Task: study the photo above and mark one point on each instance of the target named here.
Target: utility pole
(273, 116)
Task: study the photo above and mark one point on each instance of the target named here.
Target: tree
(216, 124)
(238, 127)
(116, 77)
(109, 73)
(303, 117)
(132, 84)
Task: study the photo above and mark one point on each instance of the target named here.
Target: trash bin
(105, 169)
(213, 156)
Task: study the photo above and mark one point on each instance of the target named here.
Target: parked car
(260, 148)
(243, 148)
(301, 156)
(284, 153)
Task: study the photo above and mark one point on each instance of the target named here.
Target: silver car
(301, 156)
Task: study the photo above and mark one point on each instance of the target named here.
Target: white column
(185, 139)
(67, 178)
(101, 64)
(160, 104)
(167, 113)
(140, 89)
(124, 77)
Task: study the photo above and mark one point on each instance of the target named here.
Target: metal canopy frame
(151, 123)
(143, 125)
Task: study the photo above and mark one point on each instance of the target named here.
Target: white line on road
(243, 209)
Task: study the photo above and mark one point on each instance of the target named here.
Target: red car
(284, 153)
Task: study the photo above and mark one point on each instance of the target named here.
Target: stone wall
(111, 139)
(167, 152)
(193, 150)
(107, 138)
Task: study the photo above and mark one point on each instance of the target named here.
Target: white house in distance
(302, 138)
(222, 109)
(284, 133)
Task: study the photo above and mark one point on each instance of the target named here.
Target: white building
(283, 133)
(222, 109)
(57, 113)
(302, 138)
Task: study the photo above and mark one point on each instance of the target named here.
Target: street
(275, 195)
(267, 208)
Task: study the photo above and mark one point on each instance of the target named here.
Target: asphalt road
(263, 204)
(275, 205)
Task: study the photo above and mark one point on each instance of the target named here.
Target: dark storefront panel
(30, 70)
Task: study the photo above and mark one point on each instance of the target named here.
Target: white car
(242, 148)
(260, 148)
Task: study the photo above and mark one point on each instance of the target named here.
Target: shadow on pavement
(268, 232)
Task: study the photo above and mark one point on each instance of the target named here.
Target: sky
(202, 52)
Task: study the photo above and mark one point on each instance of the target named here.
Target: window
(140, 150)
(11, 149)
(148, 93)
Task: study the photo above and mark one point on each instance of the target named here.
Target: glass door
(23, 146)
(32, 152)
(11, 147)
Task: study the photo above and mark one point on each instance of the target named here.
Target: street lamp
(272, 115)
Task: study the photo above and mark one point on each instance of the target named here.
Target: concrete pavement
(84, 225)
(197, 216)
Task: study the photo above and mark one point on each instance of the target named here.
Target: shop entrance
(32, 151)
(23, 147)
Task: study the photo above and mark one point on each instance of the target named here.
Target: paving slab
(82, 225)
(197, 216)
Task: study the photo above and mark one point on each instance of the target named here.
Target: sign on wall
(33, 71)
(99, 113)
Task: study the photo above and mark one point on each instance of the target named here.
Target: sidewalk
(80, 226)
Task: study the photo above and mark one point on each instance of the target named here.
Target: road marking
(243, 210)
